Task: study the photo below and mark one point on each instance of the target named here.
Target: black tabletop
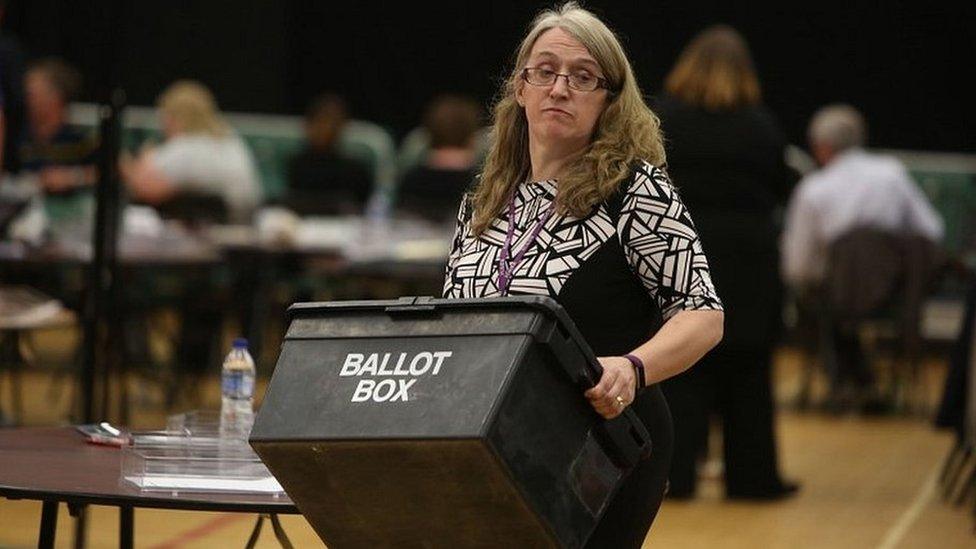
(57, 464)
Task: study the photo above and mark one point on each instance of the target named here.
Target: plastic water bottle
(237, 388)
(376, 235)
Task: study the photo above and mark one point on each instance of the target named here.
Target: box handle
(627, 438)
(583, 372)
(412, 310)
(413, 307)
(625, 435)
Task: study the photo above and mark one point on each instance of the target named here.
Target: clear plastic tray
(199, 423)
(206, 423)
(190, 456)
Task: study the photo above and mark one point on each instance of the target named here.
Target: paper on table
(199, 484)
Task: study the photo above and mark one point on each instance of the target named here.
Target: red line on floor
(203, 530)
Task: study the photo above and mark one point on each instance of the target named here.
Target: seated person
(320, 180)
(433, 189)
(854, 191)
(60, 157)
(201, 156)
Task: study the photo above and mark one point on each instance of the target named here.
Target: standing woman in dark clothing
(571, 204)
(726, 155)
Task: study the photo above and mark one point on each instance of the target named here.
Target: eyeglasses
(579, 81)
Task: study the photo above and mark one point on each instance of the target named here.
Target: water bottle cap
(239, 343)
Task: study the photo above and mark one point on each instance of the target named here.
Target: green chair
(374, 146)
(271, 153)
(954, 196)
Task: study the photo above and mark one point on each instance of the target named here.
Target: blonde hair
(192, 105)
(626, 131)
(715, 71)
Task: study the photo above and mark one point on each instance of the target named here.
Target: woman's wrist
(639, 373)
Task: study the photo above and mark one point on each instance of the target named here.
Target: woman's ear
(518, 94)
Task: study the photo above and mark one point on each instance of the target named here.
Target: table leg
(49, 525)
(126, 520)
(253, 540)
(279, 532)
(80, 512)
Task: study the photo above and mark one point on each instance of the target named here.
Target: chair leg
(950, 468)
(74, 386)
(831, 366)
(54, 388)
(803, 394)
(124, 410)
(974, 517)
(967, 475)
(55, 385)
(968, 488)
(917, 401)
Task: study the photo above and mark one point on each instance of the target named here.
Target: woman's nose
(560, 87)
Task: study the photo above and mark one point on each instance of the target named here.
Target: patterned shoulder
(651, 181)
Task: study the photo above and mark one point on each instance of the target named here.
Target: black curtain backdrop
(906, 66)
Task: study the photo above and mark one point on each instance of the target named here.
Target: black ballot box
(442, 423)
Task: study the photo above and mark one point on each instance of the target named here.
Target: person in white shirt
(201, 155)
(853, 189)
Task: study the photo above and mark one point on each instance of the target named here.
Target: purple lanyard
(506, 266)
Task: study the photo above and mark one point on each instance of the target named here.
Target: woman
(432, 189)
(201, 160)
(597, 225)
(727, 152)
(201, 156)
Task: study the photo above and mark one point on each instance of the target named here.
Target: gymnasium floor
(867, 483)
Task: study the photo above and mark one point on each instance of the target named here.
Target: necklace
(506, 263)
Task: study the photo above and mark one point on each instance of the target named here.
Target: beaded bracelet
(638, 365)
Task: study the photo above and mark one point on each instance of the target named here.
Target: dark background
(908, 67)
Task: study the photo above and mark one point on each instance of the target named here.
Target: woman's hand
(615, 390)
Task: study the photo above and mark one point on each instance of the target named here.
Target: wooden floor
(867, 483)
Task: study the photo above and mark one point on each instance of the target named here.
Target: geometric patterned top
(652, 237)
